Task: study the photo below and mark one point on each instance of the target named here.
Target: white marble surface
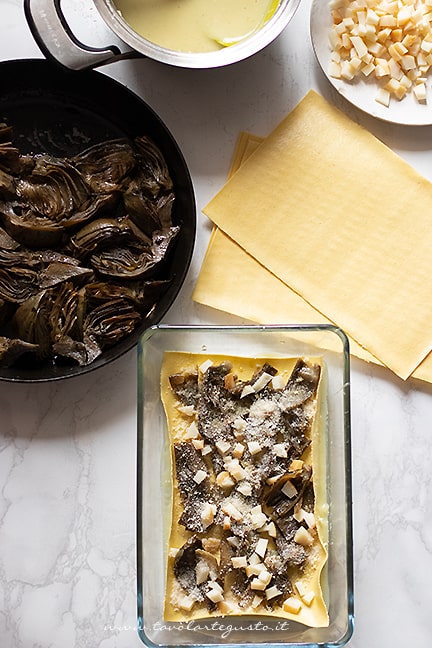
(67, 450)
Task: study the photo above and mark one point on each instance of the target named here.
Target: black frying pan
(60, 112)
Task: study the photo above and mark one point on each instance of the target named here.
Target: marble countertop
(68, 449)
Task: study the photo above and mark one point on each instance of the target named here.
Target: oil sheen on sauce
(195, 25)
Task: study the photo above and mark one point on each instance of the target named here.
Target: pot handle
(56, 41)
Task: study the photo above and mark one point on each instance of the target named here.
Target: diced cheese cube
(272, 592)
(247, 391)
(199, 476)
(371, 17)
(214, 595)
(278, 381)
(420, 92)
(300, 587)
(186, 603)
(254, 559)
(235, 469)
(254, 570)
(258, 520)
(303, 537)
(238, 450)
(187, 410)
(279, 449)
(224, 479)
(191, 431)
(208, 513)
(245, 488)
(257, 584)
(292, 605)
(239, 562)
(202, 571)
(271, 529)
(397, 50)
(262, 381)
(334, 70)
(408, 62)
(261, 547)
(359, 45)
(265, 576)
(308, 598)
(387, 20)
(205, 365)
(223, 446)
(382, 71)
(254, 447)
(232, 511)
(377, 49)
(256, 601)
(289, 489)
(239, 424)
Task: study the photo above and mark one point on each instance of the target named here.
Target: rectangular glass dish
(154, 485)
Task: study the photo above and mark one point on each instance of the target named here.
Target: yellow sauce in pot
(196, 25)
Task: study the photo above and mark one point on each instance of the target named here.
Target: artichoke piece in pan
(57, 273)
(142, 294)
(10, 159)
(7, 242)
(148, 213)
(19, 256)
(54, 188)
(49, 317)
(7, 184)
(155, 173)
(105, 166)
(105, 232)
(18, 284)
(31, 320)
(12, 349)
(111, 321)
(28, 228)
(133, 262)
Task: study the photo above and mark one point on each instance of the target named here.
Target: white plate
(361, 92)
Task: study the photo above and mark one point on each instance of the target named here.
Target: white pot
(55, 38)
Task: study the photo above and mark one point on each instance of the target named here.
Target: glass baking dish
(154, 485)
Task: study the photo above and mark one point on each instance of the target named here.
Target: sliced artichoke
(111, 322)
(131, 262)
(155, 173)
(105, 232)
(105, 166)
(18, 284)
(31, 320)
(54, 189)
(12, 349)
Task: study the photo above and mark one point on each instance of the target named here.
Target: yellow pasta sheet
(343, 221)
(274, 301)
(314, 613)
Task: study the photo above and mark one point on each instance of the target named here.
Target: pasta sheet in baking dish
(249, 523)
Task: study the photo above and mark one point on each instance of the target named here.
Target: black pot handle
(56, 41)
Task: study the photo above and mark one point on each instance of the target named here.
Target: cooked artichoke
(107, 165)
(12, 349)
(79, 234)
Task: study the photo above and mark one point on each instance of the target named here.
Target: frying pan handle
(56, 41)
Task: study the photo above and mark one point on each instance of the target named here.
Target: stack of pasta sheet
(321, 222)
